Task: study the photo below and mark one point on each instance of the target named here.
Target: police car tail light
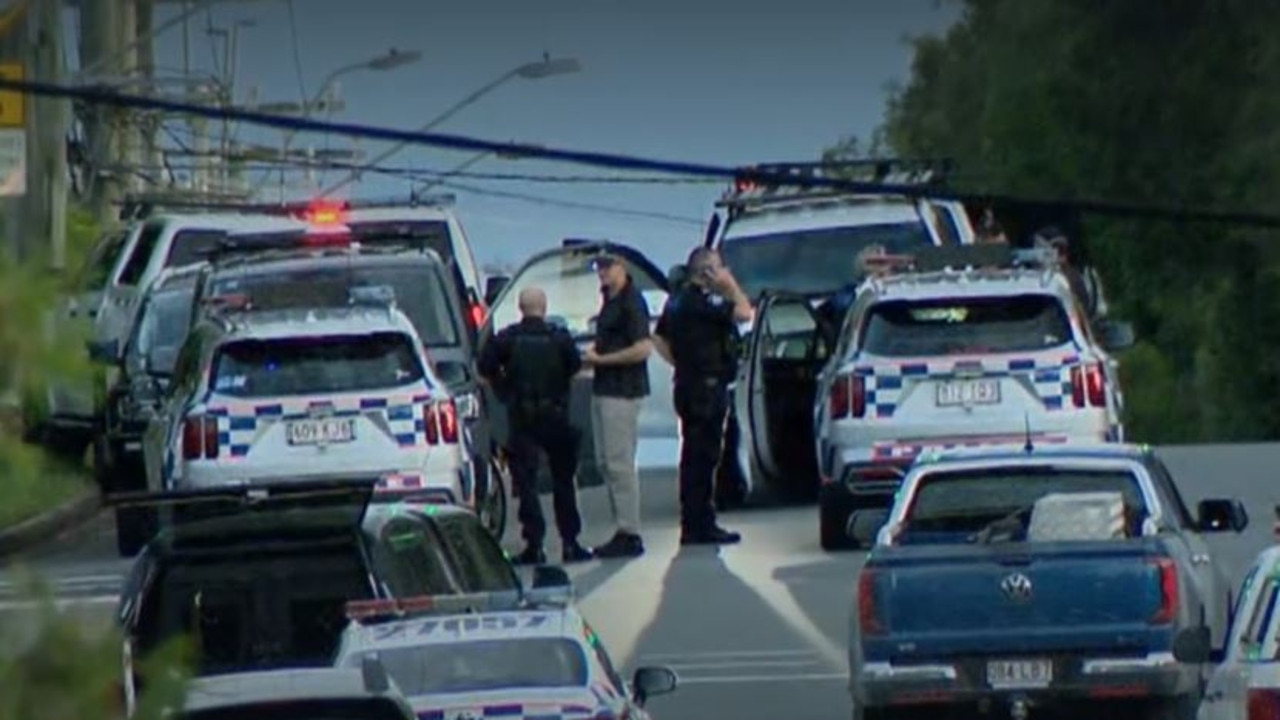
(1088, 386)
(1167, 574)
(1262, 704)
(200, 438)
(442, 423)
(868, 614)
(847, 397)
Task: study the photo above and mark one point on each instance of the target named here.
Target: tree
(1117, 99)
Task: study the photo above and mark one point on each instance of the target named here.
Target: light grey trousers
(614, 425)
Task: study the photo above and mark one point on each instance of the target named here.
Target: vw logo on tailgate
(1016, 587)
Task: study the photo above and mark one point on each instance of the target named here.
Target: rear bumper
(963, 682)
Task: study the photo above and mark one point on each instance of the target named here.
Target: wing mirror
(1116, 335)
(1221, 516)
(104, 351)
(651, 681)
(493, 287)
(1194, 646)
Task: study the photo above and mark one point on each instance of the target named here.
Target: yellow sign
(13, 105)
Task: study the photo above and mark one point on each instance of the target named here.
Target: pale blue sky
(700, 80)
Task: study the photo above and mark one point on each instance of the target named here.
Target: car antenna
(1029, 447)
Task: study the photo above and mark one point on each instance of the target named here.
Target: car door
(573, 300)
(1226, 692)
(785, 355)
(158, 438)
(120, 299)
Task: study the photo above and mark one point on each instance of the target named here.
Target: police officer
(531, 365)
(697, 334)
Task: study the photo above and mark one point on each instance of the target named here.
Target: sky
(709, 81)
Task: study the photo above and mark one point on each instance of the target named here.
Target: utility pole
(14, 53)
(101, 43)
(47, 155)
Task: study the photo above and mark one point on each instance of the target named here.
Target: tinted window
(419, 291)
(573, 291)
(453, 667)
(969, 501)
(814, 261)
(1018, 323)
(355, 709)
(315, 365)
(141, 255)
(481, 562)
(163, 327)
(409, 560)
(105, 255)
(192, 246)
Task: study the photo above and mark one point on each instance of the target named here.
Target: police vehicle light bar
(325, 213)
(962, 257)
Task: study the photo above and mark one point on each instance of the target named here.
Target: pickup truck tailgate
(943, 600)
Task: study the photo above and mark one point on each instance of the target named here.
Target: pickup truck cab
(1021, 576)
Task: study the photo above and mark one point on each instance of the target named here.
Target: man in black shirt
(531, 365)
(619, 387)
(697, 334)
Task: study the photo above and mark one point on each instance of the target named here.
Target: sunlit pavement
(755, 630)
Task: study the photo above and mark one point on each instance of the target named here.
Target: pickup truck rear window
(953, 326)
(951, 503)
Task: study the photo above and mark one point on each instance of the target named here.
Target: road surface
(755, 631)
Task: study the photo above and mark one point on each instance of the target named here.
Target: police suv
(308, 393)
(959, 346)
(508, 655)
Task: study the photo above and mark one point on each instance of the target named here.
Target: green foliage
(1169, 103)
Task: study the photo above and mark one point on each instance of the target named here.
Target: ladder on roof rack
(778, 182)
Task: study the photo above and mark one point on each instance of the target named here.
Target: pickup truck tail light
(847, 397)
(869, 622)
(1167, 573)
(200, 437)
(1088, 386)
(441, 424)
(1262, 704)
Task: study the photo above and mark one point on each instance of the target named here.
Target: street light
(547, 67)
(391, 60)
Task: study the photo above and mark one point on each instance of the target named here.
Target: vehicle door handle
(1200, 559)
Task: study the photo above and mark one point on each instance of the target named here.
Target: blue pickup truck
(1006, 579)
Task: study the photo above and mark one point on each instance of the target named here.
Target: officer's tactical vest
(537, 375)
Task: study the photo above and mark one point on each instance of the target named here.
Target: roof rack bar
(764, 183)
(143, 205)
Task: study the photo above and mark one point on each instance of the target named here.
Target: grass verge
(30, 482)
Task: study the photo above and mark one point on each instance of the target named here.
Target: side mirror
(493, 287)
(864, 525)
(549, 576)
(374, 675)
(1193, 646)
(1116, 335)
(105, 351)
(651, 681)
(1221, 515)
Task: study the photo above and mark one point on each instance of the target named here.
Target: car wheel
(492, 507)
(833, 523)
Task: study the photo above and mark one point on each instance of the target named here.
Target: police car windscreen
(315, 365)
(969, 501)
(965, 326)
(363, 708)
(818, 261)
(193, 246)
(164, 328)
(420, 294)
(430, 669)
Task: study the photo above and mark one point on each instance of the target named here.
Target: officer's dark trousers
(553, 435)
(702, 406)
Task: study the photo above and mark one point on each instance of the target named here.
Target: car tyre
(833, 523)
(491, 507)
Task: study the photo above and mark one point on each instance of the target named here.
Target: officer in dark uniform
(698, 334)
(531, 365)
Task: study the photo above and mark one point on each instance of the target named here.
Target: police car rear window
(315, 365)
(420, 293)
(1018, 323)
(478, 666)
(814, 261)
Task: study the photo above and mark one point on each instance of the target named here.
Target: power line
(552, 202)
(624, 162)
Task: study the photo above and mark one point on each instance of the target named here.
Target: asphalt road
(754, 631)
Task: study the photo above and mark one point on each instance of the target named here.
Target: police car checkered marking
(241, 424)
(884, 383)
(529, 711)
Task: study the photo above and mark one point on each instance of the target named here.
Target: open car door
(785, 354)
(565, 274)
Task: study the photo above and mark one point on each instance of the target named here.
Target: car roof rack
(143, 205)
(961, 258)
(369, 612)
(768, 183)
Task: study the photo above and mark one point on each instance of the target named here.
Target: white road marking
(753, 679)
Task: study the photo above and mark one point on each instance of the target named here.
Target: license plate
(968, 392)
(321, 432)
(1002, 674)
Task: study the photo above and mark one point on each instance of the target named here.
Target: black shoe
(622, 545)
(532, 555)
(714, 535)
(573, 553)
